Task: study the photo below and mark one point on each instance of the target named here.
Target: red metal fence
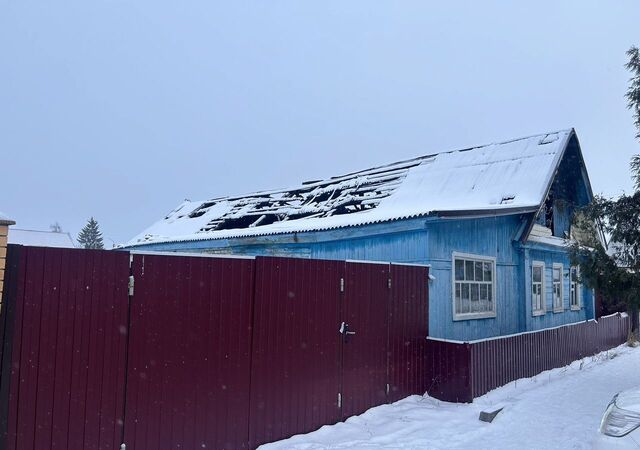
(304, 372)
(189, 353)
(460, 372)
(231, 353)
(64, 339)
(203, 352)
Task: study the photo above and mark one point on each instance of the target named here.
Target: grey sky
(121, 109)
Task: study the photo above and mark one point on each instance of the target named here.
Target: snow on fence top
(501, 176)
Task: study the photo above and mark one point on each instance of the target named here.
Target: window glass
(537, 274)
(557, 289)
(574, 295)
(537, 289)
(459, 269)
(478, 265)
(473, 287)
(468, 270)
(487, 271)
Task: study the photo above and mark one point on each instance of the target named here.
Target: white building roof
(500, 177)
(40, 238)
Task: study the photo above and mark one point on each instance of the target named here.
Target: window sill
(539, 313)
(558, 310)
(575, 308)
(462, 317)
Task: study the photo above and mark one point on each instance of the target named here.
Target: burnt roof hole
(338, 198)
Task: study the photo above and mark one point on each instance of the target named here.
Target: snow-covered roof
(38, 238)
(500, 177)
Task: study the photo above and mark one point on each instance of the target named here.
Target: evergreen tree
(90, 236)
(633, 92)
(633, 103)
(615, 270)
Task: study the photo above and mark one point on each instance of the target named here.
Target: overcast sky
(121, 109)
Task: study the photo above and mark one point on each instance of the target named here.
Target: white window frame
(475, 258)
(556, 308)
(543, 298)
(574, 289)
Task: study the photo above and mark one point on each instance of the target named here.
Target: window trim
(476, 315)
(543, 299)
(559, 309)
(578, 289)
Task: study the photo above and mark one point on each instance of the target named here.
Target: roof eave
(473, 213)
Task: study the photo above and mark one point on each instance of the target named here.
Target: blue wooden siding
(553, 255)
(430, 241)
(493, 236)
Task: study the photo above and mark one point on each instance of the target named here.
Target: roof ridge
(431, 155)
(417, 160)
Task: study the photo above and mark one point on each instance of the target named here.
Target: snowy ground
(559, 409)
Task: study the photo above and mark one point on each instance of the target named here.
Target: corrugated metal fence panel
(212, 352)
(365, 353)
(9, 329)
(496, 362)
(408, 331)
(189, 354)
(449, 371)
(295, 376)
(68, 349)
(462, 371)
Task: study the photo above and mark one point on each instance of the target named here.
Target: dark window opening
(548, 212)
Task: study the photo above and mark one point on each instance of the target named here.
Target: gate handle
(344, 330)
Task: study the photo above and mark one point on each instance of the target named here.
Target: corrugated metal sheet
(365, 353)
(301, 361)
(460, 372)
(408, 329)
(189, 356)
(212, 352)
(11, 309)
(504, 176)
(449, 371)
(63, 360)
(295, 373)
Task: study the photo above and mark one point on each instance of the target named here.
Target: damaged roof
(495, 178)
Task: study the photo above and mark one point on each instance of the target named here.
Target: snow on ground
(559, 409)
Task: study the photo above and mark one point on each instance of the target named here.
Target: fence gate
(408, 326)
(64, 342)
(331, 340)
(364, 353)
(295, 376)
(189, 353)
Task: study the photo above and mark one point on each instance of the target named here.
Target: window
(473, 287)
(574, 298)
(557, 288)
(538, 306)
